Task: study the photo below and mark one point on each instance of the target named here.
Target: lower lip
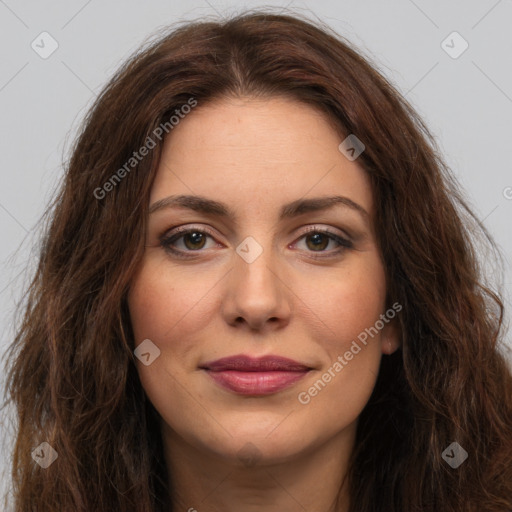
(256, 383)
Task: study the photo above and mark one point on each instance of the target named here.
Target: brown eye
(194, 240)
(183, 241)
(319, 241)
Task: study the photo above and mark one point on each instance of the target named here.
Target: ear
(390, 338)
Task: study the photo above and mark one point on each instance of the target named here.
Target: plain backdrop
(463, 94)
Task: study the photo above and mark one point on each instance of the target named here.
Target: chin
(248, 439)
(253, 450)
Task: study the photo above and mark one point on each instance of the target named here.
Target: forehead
(258, 153)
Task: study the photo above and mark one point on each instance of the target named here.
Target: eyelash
(167, 240)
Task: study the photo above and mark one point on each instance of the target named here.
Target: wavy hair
(72, 376)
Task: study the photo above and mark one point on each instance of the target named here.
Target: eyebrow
(294, 209)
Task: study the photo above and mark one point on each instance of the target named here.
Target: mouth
(255, 376)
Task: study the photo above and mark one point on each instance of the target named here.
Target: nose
(257, 297)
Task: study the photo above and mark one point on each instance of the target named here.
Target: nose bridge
(255, 263)
(256, 292)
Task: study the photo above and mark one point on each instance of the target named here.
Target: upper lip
(245, 363)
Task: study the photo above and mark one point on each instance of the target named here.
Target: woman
(258, 291)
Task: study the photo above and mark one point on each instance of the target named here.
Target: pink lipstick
(255, 376)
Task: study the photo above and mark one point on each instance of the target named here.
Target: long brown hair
(72, 376)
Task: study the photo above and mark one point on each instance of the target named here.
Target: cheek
(169, 308)
(165, 304)
(349, 308)
(346, 304)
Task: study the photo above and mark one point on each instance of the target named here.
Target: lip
(255, 376)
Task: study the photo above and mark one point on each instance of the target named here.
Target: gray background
(466, 101)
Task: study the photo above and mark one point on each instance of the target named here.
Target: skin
(255, 155)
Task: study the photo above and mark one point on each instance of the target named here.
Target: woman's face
(257, 276)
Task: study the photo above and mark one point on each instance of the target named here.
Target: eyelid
(202, 228)
(187, 228)
(326, 229)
